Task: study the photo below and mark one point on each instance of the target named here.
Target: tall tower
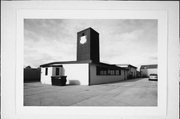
(88, 45)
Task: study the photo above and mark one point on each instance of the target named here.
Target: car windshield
(153, 74)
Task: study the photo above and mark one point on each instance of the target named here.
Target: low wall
(31, 75)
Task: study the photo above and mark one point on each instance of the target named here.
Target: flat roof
(109, 65)
(52, 64)
(150, 66)
(126, 65)
(89, 28)
(59, 64)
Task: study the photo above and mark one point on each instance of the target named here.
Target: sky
(122, 41)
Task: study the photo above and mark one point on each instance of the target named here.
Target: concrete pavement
(135, 92)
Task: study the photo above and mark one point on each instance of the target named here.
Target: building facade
(146, 70)
(87, 69)
(132, 70)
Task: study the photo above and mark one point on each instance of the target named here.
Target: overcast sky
(121, 41)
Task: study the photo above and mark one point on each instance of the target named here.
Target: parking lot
(134, 92)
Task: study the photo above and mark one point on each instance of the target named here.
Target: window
(57, 71)
(46, 71)
(112, 72)
(107, 71)
(117, 72)
(97, 70)
(101, 72)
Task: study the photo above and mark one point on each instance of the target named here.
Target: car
(153, 77)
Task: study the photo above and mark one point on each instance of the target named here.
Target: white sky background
(121, 41)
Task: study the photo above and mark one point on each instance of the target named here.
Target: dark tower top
(88, 45)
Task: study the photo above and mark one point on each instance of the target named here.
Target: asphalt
(134, 92)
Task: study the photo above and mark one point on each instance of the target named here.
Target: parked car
(153, 77)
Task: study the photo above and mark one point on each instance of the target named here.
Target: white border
(12, 55)
(96, 14)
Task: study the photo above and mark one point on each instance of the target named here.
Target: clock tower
(88, 45)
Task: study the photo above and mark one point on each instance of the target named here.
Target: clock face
(83, 39)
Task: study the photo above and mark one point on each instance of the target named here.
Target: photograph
(90, 62)
(90, 59)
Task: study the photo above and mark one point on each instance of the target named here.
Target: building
(87, 69)
(146, 70)
(132, 70)
(138, 74)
